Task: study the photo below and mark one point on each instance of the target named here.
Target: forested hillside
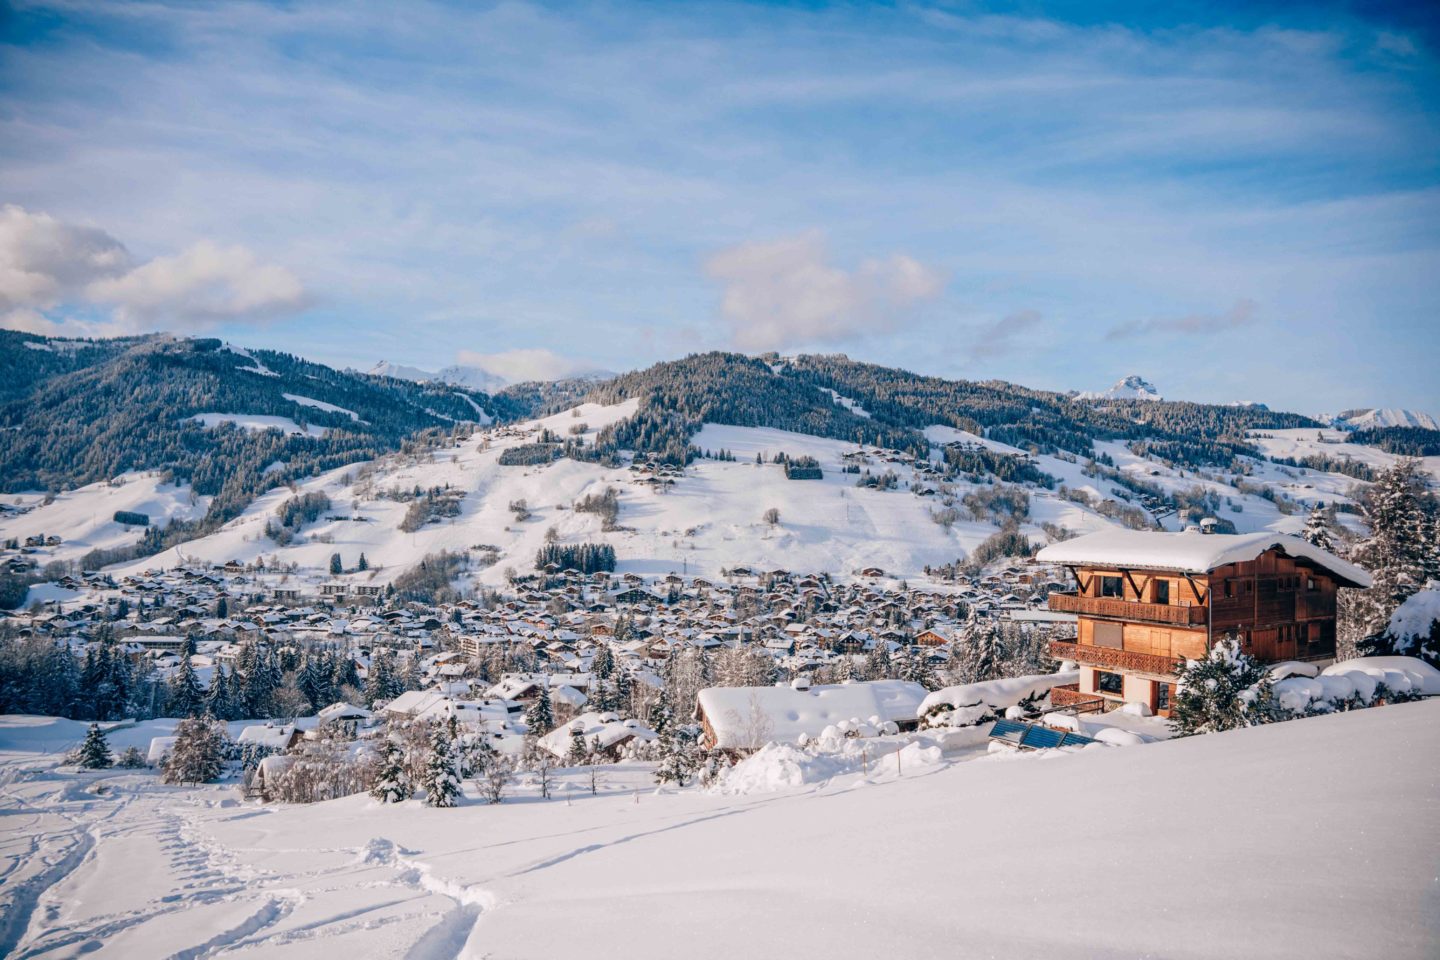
(77, 412)
(798, 394)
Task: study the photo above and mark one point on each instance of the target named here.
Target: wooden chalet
(1146, 600)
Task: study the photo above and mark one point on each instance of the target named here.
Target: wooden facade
(1139, 624)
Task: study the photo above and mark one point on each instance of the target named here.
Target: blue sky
(1237, 202)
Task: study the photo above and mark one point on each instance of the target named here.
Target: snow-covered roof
(607, 728)
(274, 736)
(740, 716)
(998, 694)
(343, 711)
(1192, 551)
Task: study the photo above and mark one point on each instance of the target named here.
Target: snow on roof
(343, 710)
(276, 737)
(607, 728)
(1192, 551)
(740, 716)
(998, 694)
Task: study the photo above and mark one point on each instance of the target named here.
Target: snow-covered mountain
(1131, 388)
(471, 377)
(1366, 419)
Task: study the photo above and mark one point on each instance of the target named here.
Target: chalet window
(1310, 583)
(1112, 587)
(1229, 588)
(1109, 635)
(1112, 683)
(1162, 591)
(1162, 696)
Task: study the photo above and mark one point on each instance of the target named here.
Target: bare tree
(772, 516)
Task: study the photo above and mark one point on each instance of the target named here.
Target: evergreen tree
(94, 753)
(604, 663)
(540, 718)
(380, 682)
(624, 692)
(579, 752)
(336, 567)
(131, 759)
(314, 680)
(1317, 529)
(877, 661)
(915, 667)
(1400, 551)
(1225, 690)
(185, 696)
(441, 780)
(261, 684)
(217, 695)
(678, 757)
(363, 564)
(981, 650)
(392, 782)
(198, 755)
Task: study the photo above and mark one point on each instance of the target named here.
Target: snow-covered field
(84, 518)
(1314, 838)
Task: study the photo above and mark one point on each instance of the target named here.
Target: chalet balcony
(1116, 609)
(1110, 658)
(1069, 697)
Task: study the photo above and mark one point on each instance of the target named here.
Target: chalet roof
(1192, 552)
(740, 715)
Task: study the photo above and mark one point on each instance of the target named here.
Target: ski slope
(1313, 838)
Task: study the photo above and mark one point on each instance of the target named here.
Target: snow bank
(784, 766)
(971, 702)
(1356, 682)
(1401, 674)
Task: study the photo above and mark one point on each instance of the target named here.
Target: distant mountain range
(470, 377)
(1130, 388)
(1380, 418)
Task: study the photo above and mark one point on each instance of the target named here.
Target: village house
(745, 718)
(1147, 600)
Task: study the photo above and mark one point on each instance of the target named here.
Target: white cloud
(44, 261)
(782, 292)
(517, 366)
(202, 285)
(1242, 314)
(48, 266)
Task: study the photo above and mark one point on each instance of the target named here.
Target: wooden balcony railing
(1069, 697)
(1127, 609)
(1111, 658)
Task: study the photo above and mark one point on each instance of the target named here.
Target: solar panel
(1009, 731)
(1033, 736)
(1042, 738)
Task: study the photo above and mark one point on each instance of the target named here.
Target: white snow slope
(710, 520)
(1314, 838)
(84, 518)
(1388, 417)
